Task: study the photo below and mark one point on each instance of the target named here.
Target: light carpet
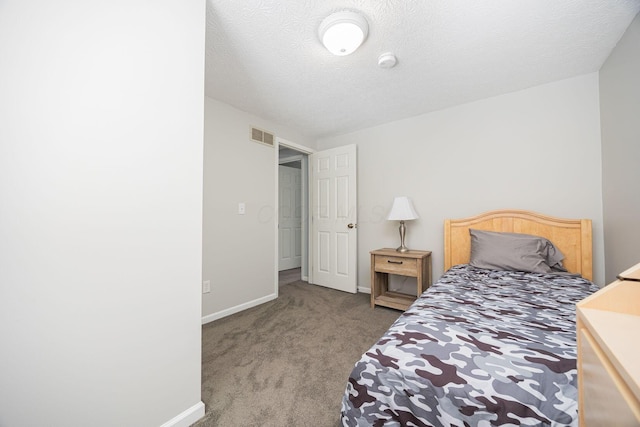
(286, 362)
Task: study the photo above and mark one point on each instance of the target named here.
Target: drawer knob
(394, 262)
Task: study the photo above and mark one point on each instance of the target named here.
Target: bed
(483, 346)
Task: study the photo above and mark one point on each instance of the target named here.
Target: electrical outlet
(206, 286)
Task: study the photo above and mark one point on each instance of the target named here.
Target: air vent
(262, 136)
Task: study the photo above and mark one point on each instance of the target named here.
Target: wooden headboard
(571, 236)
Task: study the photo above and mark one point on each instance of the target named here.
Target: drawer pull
(394, 262)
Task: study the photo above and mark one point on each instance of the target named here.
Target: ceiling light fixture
(343, 32)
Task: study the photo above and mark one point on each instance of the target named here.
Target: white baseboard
(238, 308)
(186, 418)
(364, 290)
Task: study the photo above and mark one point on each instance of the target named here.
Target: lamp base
(402, 247)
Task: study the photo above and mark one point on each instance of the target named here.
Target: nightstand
(389, 261)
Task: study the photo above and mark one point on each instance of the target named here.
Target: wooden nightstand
(388, 261)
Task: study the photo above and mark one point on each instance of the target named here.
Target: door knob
(350, 225)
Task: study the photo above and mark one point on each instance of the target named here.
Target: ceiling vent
(262, 136)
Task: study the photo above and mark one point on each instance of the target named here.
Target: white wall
(239, 250)
(101, 110)
(536, 149)
(619, 113)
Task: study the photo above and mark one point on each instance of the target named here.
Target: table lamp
(402, 210)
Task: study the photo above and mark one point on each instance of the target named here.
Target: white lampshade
(402, 210)
(343, 32)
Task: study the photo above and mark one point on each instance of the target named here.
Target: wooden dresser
(608, 333)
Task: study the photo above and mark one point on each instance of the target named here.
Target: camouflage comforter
(479, 348)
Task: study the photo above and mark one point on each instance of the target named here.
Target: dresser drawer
(606, 398)
(396, 265)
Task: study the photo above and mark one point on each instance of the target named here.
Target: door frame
(305, 151)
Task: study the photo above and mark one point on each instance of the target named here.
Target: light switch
(241, 208)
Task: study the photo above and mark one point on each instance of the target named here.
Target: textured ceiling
(264, 56)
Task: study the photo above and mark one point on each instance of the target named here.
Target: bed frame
(571, 236)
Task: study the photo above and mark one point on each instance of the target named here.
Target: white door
(334, 235)
(289, 218)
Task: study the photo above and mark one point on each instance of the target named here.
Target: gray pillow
(514, 251)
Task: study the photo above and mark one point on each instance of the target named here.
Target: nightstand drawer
(396, 265)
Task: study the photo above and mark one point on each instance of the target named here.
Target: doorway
(290, 214)
(328, 243)
(292, 252)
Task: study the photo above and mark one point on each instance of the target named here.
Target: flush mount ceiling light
(343, 32)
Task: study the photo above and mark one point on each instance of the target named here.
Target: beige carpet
(286, 362)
